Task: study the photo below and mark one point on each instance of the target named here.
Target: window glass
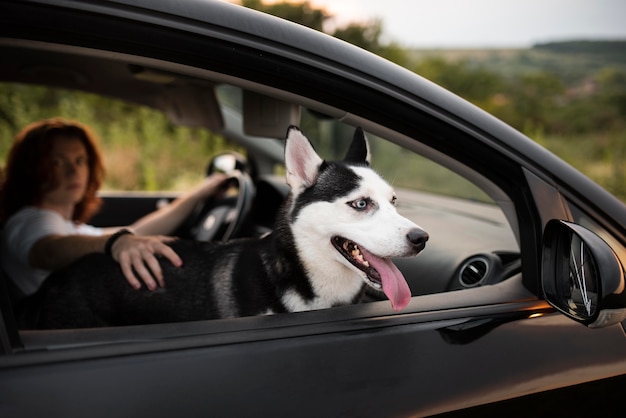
(400, 167)
(142, 149)
(145, 151)
(469, 233)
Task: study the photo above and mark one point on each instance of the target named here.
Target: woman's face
(70, 172)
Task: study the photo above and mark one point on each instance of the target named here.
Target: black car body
(490, 345)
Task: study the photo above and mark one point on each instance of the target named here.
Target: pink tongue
(394, 284)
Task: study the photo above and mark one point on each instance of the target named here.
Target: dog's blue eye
(360, 204)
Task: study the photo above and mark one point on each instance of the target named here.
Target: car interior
(473, 256)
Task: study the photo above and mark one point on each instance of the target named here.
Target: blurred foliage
(303, 13)
(365, 35)
(132, 136)
(582, 119)
(613, 50)
(368, 36)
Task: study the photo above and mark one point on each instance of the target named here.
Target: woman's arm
(165, 220)
(135, 254)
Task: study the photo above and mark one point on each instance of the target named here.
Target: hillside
(572, 61)
(568, 96)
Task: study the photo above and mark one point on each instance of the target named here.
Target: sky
(485, 23)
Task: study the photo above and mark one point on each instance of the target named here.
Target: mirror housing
(581, 275)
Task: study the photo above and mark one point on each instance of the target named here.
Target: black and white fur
(312, 259)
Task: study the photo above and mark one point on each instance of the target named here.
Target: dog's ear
(359, 151)
(301, 160)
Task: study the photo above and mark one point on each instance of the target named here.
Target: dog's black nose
(417, 237)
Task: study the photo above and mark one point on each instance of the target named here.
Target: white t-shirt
(20, 233)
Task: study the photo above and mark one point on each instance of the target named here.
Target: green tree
(534, 98)
(365, 35)
(368, 36)
(612, 91)
(475, 84)
(478, 85)
(303, 13)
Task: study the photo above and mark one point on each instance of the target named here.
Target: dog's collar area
(351, 252)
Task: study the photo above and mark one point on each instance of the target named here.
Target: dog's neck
(307, 283)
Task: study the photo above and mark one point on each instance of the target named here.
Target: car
(519, 298)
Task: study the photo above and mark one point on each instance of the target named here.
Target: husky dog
(335, 235)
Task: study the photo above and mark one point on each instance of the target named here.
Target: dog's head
(343, 212)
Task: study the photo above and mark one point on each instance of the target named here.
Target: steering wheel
(221, 217)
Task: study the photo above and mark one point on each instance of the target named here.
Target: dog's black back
(240, 278)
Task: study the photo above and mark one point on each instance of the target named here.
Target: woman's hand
(138, 254)
(210, 186)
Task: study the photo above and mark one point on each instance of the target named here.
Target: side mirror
(581, 275)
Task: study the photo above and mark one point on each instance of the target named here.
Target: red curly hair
(28, 168)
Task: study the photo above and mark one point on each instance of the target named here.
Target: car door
(334, 363)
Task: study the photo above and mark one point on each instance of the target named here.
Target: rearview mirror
(581, 275)
(227, 163)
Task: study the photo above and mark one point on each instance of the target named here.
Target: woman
(52, 175)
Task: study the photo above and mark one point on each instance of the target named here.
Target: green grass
(601, 157)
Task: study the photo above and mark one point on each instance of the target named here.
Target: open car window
(473, 247)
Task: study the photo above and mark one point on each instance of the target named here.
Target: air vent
(474, 271)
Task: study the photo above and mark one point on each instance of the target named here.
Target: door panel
(120, 209)
(400, 370)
